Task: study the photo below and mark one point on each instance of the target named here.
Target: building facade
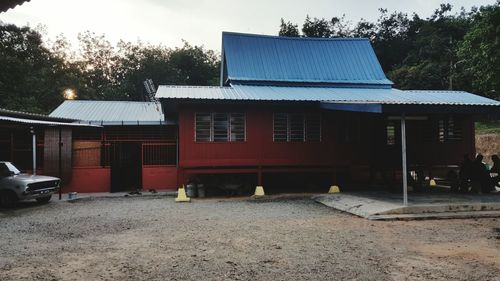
(291, 114)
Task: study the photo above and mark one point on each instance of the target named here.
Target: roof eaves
(22, 114)
(304, 82)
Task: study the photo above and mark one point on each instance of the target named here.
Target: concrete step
(446, 215)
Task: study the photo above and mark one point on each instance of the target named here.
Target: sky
(199, 22)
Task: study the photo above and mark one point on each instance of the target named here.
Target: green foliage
(458, 51)
(288, 29)
(316, 28)
(488, 127)
(33, 76)
(479, 52)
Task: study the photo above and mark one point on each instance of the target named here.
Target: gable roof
(260, 58)
(111, 112)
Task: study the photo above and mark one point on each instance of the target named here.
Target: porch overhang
(413, 109)
(8, 120)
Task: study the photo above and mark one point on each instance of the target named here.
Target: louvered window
(203, 124)
(449, 129)
(390, 133)
(219, 127)
(296, 127)
(280, 127)
(296, 123)
(313, 127)
(237, 126)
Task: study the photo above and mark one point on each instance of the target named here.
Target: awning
(413, 109)
(16, 120)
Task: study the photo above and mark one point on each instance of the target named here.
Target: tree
(288, 29)
(97, 61)
(189, 65)
(479, 52)
(316, 28)
(31, 77)
(430, 51)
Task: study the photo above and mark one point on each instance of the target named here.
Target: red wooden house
(306, 113)
(289, 114)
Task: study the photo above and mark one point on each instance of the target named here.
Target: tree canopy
(447, 50)
(34, 74)
(458, 51)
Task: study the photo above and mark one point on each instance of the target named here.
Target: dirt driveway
(152, 238)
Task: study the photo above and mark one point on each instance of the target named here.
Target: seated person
(495, 171)
(479, 176)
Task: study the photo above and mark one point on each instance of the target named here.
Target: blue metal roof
(250, 57)
(323, 94)
(111, 112)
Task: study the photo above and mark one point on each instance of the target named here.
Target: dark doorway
(126, 166)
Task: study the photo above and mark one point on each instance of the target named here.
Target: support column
(59, 168)
(259, 189)
(32, 131)
(403, 154)
(259, 176)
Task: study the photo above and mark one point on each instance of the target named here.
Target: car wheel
(8, 199)
(44, 199)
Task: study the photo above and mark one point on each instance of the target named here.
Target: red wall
(86, 180)
(159, 177)
(260, 150)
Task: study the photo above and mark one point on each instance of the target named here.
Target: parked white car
(15, 186)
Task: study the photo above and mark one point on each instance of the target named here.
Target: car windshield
(11, 168)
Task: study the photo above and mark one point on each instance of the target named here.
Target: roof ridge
(295, 38)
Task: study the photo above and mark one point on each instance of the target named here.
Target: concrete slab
(384, 205)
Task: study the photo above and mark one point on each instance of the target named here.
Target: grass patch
(488, 127)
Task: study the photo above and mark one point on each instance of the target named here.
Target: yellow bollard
(181, 195)
(259, 191)
(334, 189)
(432, 183)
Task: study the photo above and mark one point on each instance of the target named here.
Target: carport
(29, 129)
(404, 106)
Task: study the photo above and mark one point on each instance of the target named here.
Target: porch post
(403, 153)
(32, 131)
(59, 146)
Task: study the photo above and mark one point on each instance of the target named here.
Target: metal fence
(159, 154)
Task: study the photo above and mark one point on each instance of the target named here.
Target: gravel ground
(153, 238)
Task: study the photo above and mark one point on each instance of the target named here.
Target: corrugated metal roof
(17, 120)
(251, 57)
(112, 112)
(325, 94)
(34, 116)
